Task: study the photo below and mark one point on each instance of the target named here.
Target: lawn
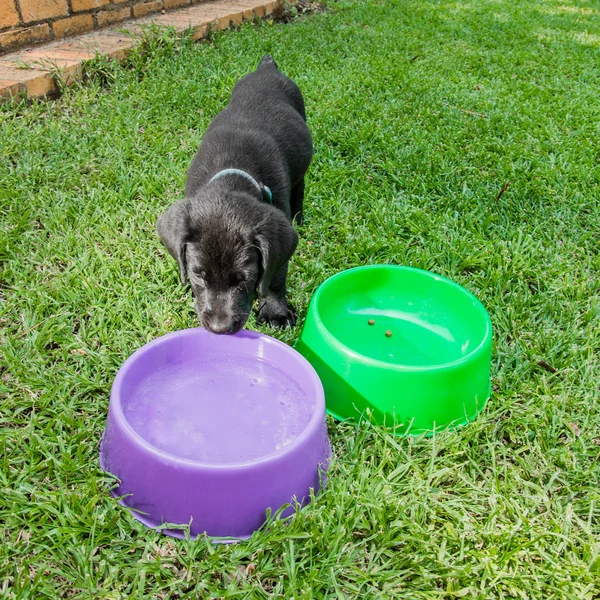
(421, 112)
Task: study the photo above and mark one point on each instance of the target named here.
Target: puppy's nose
(217, 325)
(221, 329)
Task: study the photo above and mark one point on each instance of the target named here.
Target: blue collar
(263, 189)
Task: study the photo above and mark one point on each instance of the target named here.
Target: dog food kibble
(371, 322)
(388, 333)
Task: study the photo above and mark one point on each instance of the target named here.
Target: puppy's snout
(221, 328)
(218, 324)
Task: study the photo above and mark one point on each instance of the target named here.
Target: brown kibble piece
(371, 322)
(388, 333)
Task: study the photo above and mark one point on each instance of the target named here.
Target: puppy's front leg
(274, 310)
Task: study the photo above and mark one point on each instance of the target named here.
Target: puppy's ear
(276, 240)
(173, 229)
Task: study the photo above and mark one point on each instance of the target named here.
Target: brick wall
(26, 22)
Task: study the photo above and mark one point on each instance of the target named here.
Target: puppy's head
(229, 252)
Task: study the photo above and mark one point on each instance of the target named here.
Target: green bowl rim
(487, 338)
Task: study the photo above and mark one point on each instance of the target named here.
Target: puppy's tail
(266, 61)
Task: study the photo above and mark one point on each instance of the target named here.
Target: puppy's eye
(241, 285)
(199, 275)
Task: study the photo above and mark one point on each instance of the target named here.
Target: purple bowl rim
(317, 419)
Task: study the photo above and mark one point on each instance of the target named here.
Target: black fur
(230, 242)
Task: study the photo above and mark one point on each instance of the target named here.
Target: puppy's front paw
(276, 314)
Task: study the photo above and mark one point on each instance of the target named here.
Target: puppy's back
(263, 130)
(266, 85)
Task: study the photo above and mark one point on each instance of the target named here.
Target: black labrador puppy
(232, 234)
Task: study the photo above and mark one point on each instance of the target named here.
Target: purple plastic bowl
(213, 430)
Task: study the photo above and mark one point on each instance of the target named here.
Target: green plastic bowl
(404, 347)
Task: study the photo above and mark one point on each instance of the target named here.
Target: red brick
(236, 18)
(173, 20)
(141, 10)
(200, 31)
(70, 72)
(176, 3)
(221, 23)
(259, 11)
(9, 17)
(40, 86)
(219, 15)
(75, 50)
(79, 5)
(10, 89)
(198, 14)
(21, 37)
(109, 43)
(246, 6)
(10, 72)
(241, 4)
(107, 17)
(49, 54)
(270, 7)
(67, 69)
(184, 19)
(72, 26)
(39, 10)
(37, 83)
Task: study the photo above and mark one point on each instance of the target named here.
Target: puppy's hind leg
(274, 310)
(297, 203)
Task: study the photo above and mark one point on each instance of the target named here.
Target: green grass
(508, 507)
